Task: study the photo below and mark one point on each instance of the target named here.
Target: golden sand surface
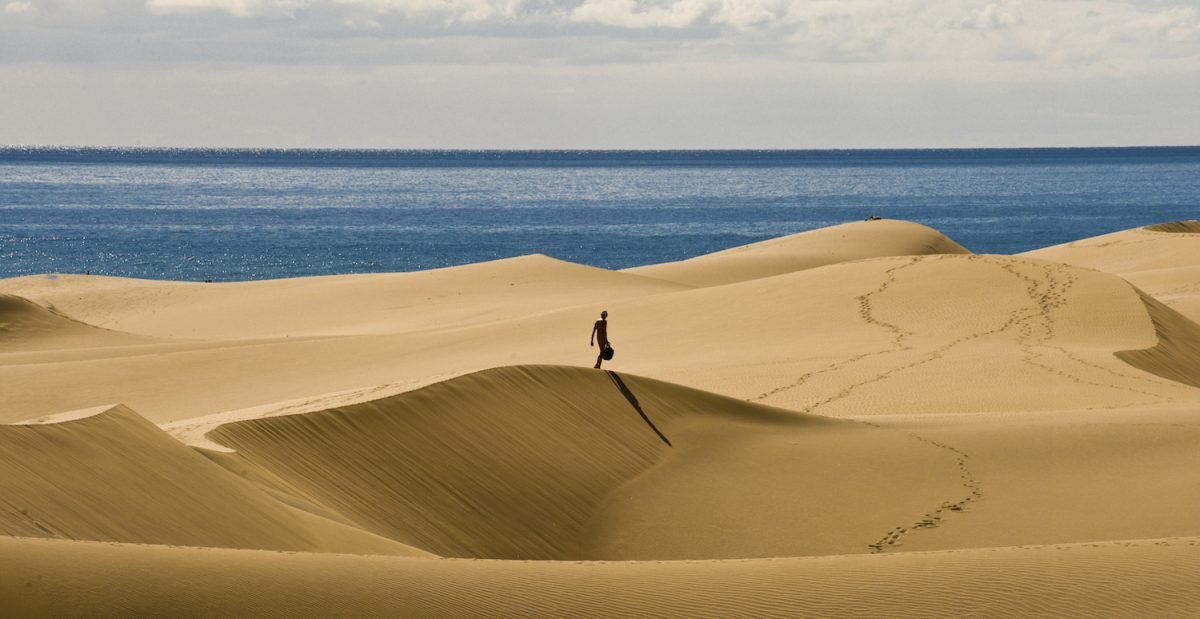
(863, 420)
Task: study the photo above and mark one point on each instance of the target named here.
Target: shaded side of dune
(1188, 226)
(504, 463)
(1176, 356)
(117, 477)
(507, 463)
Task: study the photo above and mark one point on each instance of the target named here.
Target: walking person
(600, 333)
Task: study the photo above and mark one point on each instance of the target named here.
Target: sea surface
(197, 214)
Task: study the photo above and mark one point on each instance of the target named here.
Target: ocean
(243, 214)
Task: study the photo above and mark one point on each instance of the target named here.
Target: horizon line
(569, 149)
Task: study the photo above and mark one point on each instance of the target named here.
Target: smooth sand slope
(860, 420)
(1136, 578)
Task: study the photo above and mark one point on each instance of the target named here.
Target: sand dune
(806, 250)
(533, 462)
(1163, 260)
(1176, 356)
(113, 476)
(861, 420)
(539, 462)
(907, 335)
(26, 326)
(334, 305)
(883, 336)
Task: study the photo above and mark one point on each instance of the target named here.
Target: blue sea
(196, 214)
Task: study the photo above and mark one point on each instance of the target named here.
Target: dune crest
(26, 326)
(549, 462)
(805, 250)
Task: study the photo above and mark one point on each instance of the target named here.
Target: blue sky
(599, 73)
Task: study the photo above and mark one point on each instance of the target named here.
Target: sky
(600, 73)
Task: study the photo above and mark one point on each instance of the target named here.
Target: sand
(863, 420)
(1163, 260)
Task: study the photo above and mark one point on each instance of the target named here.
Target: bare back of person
(600, 335)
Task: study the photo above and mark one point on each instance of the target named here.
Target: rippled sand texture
(863, 420)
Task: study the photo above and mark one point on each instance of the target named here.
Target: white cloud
(17, 8)
(747, 14)
(445, 11)
(638, 14)
(456, 11)
(238, 8)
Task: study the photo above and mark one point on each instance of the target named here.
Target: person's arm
(592, 342)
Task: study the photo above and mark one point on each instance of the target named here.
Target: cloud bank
(1095, 36)
(726, 60)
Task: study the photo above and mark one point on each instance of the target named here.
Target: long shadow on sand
(633, 401)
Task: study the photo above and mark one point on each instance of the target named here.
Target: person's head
(604, 314)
